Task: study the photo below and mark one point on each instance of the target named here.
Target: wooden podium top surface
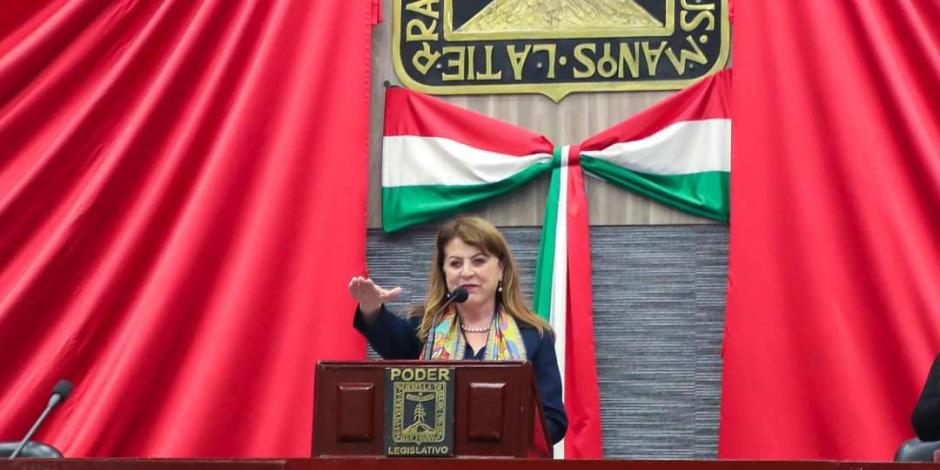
(449, 464)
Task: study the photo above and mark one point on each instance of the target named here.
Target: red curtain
(834, 291)
(183, 190)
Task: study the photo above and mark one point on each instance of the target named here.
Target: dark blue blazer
(394, 337)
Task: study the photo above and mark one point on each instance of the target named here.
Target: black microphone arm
(61, 391)
(458, 296)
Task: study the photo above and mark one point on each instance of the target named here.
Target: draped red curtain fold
(833, 306)
(183, 190)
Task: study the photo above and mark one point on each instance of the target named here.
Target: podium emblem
(419, 411)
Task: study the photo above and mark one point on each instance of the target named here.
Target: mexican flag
(440, 159)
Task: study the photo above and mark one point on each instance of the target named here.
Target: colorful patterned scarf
(503, 343)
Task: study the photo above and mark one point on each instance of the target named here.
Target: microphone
(61, 391)
(458, 296)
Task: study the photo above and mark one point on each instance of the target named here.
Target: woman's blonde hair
(483, 235)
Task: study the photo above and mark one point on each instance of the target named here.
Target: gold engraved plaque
(556, 47)
(419, 411)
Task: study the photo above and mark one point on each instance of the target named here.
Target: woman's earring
(499, 286)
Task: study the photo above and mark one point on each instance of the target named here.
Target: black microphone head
(460, 295)
(63, 389)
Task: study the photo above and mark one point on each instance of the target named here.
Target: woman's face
(469, 267)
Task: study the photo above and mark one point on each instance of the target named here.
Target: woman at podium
(474, 310)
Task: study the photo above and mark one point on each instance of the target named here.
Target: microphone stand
(32, 430)
(459, 295)
(62, 391)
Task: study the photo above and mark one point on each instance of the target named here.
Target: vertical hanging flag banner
(833, 313)
(440, 159)
(170, 231)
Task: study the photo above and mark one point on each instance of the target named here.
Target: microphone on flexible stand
(458, 296)
(61, 391)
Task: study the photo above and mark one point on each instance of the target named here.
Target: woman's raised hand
(370, 296)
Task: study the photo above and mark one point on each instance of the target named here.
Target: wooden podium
(495, 412)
